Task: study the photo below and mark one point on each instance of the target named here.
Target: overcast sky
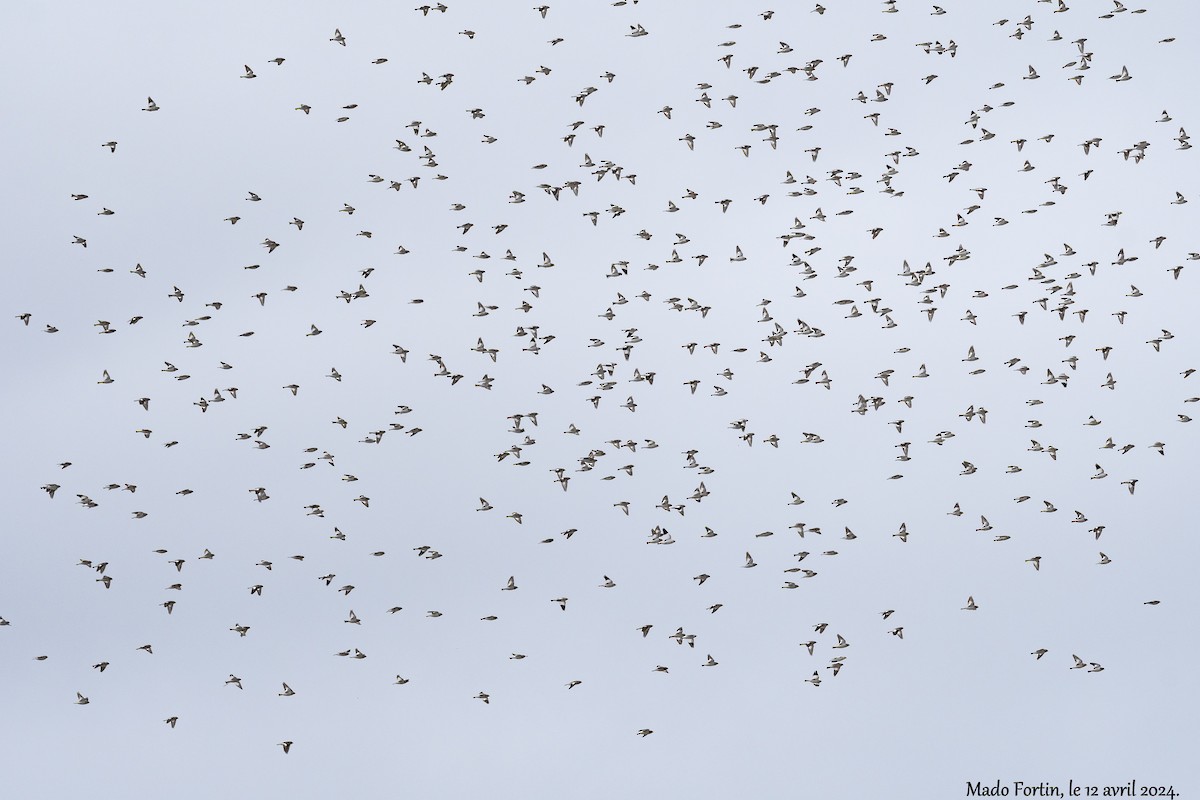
(748, 286)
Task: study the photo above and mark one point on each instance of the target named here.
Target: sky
(873, 191)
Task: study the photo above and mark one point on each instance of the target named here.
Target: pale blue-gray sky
(959, 698)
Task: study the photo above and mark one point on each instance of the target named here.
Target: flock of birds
(882, 278)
